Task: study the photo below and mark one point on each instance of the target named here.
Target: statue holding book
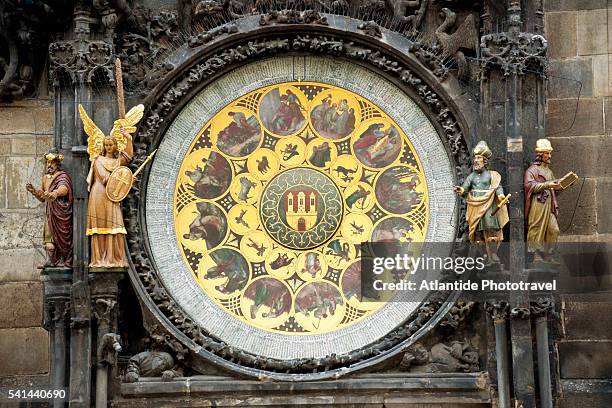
(487, 212)
(541, 208)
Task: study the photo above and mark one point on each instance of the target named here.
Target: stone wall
(26, 132)
(579, 112)
(579, 124)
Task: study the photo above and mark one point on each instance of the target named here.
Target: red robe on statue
(59, 219)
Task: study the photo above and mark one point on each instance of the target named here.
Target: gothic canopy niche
(264, 183)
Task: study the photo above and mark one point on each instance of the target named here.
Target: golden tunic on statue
(103, 215)
(104, 218)
(477, 208)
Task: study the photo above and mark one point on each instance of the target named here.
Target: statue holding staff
(109, 181)
(104, 219)
(56, 192)
(486, 204)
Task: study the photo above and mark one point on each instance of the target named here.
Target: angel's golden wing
(132, 117)
(95, 137)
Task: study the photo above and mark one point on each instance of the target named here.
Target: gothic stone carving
(371, 28)
(498, 309)
(55, 311)
(458, 356)
(143, 46)
(80, 306)
(24, 34)
(541, 306)
(80, 59)
(464, 38)
(207, 36)
(108, 348)
(514, 52)
(514, 55)
(150, 364)
(457, 314)
(407, 17)
(292, 17)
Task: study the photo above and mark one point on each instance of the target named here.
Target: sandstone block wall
(579, 112)
(26, 132)
(579, 124)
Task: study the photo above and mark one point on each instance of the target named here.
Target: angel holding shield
(104, 219)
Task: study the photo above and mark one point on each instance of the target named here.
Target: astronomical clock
(264, 199)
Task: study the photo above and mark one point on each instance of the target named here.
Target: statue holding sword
(487, 212)
(109, 181)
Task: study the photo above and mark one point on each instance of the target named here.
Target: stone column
(73, 64)
(498, 310)
(513, 65)
(104, 293)
(540, 309)
(57, 283)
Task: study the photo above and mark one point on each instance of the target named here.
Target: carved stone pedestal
(103, 283)
(367, 390)
(56, 284)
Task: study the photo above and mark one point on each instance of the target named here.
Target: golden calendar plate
(275, 195)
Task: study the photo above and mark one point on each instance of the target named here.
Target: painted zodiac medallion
(276, 195)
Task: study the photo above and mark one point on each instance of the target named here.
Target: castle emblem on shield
(301, 209)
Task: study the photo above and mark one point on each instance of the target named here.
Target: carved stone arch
(393, 57)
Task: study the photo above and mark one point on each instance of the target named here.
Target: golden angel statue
(108, 183)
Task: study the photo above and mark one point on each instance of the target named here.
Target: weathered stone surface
(2, 184)
(608, 114)
(19, 172)
(43, 144)
(24, 351)
(585, 400)
(609, 32)
(601, 77)
(564, 5)
(5, 146)
(587, 156)
(21, 304)
(21, 229)
(44, 119)
(604, 215)
(561, 34)
(592, 32)
(585, 359)
(358, 392)
(23, 145)
(20, 264)
(22, 381)
(16, 120)
(574, 117)
(587, 320)
(570, 78)
(578, 213)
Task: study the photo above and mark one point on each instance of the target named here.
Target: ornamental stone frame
(392, 58)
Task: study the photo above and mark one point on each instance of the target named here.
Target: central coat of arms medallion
(301, 208)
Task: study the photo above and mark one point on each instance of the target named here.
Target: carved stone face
(52, 166)
(478, 163)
